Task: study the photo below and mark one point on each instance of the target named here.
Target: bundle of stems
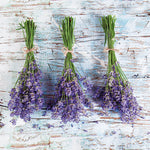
(70, 92)
(26, 95)
(117, 93)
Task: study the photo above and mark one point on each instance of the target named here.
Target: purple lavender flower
(70, 98)
(26, 97)
(49, 125)
(13, 121)
(118, 95)
(1, 124)
(35, 125)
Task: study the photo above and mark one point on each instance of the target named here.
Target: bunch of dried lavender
(26, 96)
(117, 93)
(70, 95)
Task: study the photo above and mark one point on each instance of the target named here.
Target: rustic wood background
(94, 132)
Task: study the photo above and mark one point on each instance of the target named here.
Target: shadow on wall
(99, 57)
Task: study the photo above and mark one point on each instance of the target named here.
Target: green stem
(108, 24)
(28, 28)
(67, 33)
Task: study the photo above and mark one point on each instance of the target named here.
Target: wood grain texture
(94, 132)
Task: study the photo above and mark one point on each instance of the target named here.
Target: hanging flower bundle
(118, 93)
(70, 90)
(26, 96)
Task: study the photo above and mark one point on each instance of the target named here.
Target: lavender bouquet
(117, 93)
(70, 92)
(26, 96)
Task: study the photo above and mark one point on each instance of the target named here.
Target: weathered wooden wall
(94, 132)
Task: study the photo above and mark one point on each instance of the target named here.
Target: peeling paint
(95, 131)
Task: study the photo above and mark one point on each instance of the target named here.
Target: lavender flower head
(26, 97)
(118, 95)
(70, 97)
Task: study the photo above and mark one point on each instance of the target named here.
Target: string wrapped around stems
(71, 87)
(26, 96)
(117, 93)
